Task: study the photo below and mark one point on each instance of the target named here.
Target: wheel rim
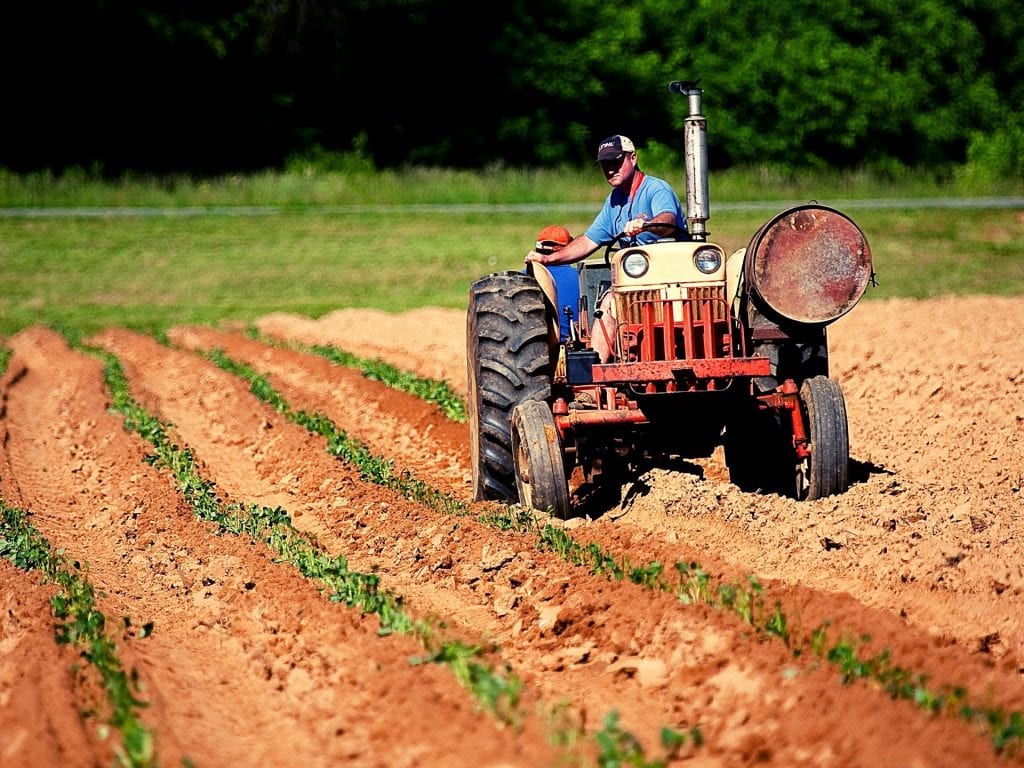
(522, 465)
(539, 465)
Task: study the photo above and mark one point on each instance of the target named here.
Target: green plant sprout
(80, 623)
(497, 691)
(429, 390)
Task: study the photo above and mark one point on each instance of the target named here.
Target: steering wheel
(609, 245)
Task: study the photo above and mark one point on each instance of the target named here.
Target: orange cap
(552, 238)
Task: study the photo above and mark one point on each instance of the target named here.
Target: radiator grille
(631, 302)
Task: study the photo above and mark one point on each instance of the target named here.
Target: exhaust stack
(695, 150)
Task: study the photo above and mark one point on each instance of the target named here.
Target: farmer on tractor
(637, 203)
(673, 348)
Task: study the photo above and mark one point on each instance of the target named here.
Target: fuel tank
(809, 264)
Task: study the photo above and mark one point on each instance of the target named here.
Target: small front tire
(826, 471)
(538, 460)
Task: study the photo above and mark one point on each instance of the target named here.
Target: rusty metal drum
(809, 264)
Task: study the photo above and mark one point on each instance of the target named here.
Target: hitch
(787, 398)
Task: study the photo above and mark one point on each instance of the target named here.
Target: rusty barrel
(809, 264)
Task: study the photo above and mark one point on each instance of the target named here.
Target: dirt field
(249, 664)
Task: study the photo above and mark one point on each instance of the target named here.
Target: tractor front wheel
(825, 472)
(537, 456)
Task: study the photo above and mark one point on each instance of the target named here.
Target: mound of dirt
(931, 528)
(249, 664)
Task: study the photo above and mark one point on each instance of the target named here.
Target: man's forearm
(578, 249)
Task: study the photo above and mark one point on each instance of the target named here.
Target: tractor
(708, 351)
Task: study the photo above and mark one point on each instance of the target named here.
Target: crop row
(82, 624)
(497, 690)
(687, 581)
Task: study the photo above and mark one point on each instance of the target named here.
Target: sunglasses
(614, 163)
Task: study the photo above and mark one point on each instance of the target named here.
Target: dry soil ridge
(952, 613)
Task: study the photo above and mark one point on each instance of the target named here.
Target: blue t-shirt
(651, 197)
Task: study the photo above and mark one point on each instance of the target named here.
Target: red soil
(250, 665)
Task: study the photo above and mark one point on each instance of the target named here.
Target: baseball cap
(552, 238)
(614, 146)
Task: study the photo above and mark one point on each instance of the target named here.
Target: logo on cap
(614, 146)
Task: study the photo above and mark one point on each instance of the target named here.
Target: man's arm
(634, 226)
(576, 250)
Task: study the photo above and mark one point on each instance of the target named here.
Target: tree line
(194, 86)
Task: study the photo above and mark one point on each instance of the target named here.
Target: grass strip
(81, 624)
(690, 584)
(618, 747)
(498, 692)
(430, 390)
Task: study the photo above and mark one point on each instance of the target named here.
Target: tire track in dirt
(688, 663)
(248, 664)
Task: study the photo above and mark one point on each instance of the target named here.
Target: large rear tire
(826, 471)
(509, 360)
(537, 456)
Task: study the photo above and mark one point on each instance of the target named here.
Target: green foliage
(618, 748)
(438, 392)
(995, 156)
(317, 160)
(251, 84)
(80, 623)
(498, 692)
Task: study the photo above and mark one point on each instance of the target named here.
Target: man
(635, 202)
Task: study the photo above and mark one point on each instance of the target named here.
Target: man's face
(619, 170)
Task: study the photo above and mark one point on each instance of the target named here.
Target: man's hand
(534, 256)
(635, 226)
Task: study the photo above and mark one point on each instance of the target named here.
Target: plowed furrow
(414, 434)
(930, 530)
(41, 695)
(247, 664)
(717, 547)
(419, 340)
(601, 643)
(930, 542)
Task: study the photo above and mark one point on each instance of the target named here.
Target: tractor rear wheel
(510, 361)
(826, 471)
(537, 455)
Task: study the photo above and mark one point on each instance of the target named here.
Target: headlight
(635, 264)
(707, 260)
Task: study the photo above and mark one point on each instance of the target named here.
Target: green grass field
(330, 242)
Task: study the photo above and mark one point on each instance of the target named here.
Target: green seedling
(618, 748)
(429, 390)
(80, 623)
(498, 692)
